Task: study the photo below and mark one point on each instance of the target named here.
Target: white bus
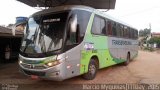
(67, 41)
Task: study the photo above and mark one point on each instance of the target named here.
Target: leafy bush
(149, 49)
(154, 40)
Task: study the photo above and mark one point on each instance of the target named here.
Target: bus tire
(92, 70)
(128, 60)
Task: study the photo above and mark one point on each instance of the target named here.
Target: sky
(10, 9)
(137, 13)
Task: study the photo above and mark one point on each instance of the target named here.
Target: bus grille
(34, 73)
(29, 66)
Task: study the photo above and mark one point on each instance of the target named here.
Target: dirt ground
(143, 69)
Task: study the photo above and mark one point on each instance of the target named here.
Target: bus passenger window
(103, 27)
(131, 32)
(121, 30)
(118, 30)
(96, 26)
(114, 33)
(136, 34)
(125, 31)
(109, 28)
(99, 26)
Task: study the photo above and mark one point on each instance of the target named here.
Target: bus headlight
(52, 63)
(20, 62)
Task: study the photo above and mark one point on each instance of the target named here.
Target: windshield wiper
(28, 41)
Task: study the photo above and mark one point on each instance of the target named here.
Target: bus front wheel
(92, 70)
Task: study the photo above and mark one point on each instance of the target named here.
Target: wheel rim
(92, 69)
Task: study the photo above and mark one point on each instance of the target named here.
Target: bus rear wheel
(92, 70)
(128, 60)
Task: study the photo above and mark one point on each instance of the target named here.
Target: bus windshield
(44, 34)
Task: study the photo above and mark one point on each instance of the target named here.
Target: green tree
(154, 40)
(144, 32)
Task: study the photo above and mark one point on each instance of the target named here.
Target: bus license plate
(34, 77)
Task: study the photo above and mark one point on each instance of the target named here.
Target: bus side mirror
(13, 30)
(73, 24)
(73, 28)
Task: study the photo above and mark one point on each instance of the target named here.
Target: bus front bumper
(55, 73)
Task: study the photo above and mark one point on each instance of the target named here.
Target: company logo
(88, 46)
(121, 42)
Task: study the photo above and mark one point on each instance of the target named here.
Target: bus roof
(81, 7)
